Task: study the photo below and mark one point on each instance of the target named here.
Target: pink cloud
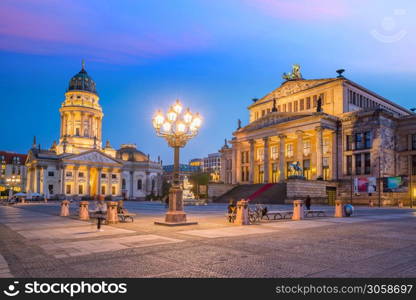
(61, 28)
(301, 9)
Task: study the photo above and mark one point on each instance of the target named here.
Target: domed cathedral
(79, 166)
(81, 116)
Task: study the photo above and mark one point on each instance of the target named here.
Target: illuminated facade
(12, 172)
(79, 165)
(334, 129)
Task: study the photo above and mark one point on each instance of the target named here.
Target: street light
(177, 127)
(11, 183)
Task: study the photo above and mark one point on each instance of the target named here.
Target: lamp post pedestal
(175, 213)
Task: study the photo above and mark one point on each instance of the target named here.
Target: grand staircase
(257, 193)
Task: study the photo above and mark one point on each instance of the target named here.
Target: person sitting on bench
(232, 207)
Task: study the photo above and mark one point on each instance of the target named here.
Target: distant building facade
(185, 171)
(334, 129)
(79, 165)
(12, 172)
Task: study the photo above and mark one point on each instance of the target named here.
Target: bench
(315, 213)
(281, 213)
(123, 215)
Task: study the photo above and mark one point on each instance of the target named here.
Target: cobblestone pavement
(376, 242)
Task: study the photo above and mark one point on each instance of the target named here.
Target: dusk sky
(213, 55)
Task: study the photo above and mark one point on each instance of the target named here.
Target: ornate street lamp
(177, 126)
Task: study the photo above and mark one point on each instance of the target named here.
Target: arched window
(153, 185)
(123, 184)
(139, 184)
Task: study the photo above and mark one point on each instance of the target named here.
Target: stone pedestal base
(242, 213)
(112, 217)
(83, 211)
(338, 209)
(64, 208)
(175, 215)
(298, 211)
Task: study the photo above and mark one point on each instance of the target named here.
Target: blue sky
(214, 55)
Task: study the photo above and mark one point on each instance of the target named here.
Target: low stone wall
(218, 189)
(298, 189)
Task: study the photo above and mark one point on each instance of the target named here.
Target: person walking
(100, 211)
(308, 202)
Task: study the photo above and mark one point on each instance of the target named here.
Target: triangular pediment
(93, 156)
(291, 87)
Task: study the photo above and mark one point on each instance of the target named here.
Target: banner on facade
(395, 184)
(365, 185)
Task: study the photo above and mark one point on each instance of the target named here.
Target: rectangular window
(325, 162)
(50, 189)
(307, 168)
(289, 150)
(358, 164)
(308, 103)
(295, 106)
(306, 147)
(274, 154)
(289, 109)
(367, 139)
(367, 163)
(263, 112)
(68, 189)
(68, 174)
(284, 107)
(413, 141)
(260, 154)
(103, 175)
(413, 165)
(113, 190)
(315, 101)
(80, 189)
(322, 96)
(103, 190)
(359, 143)
(81, 174)
(114, 176)
(301, 104)
(349, 164)
(51, 173)
(274, 172)
(348, 143)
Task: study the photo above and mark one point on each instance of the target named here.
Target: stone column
(233, 165)
(45, 187)
(62, 124)
(99, 129)
(282, 157)
(63, 179)
(334, 156)
(237, 165)
(299, 147)
(251, 158)
(100, 170)
(38, 179)
(72, 124)
(120, 182)
(76, 189)
(109, 181)
(266, 157)
(131, 194)
(87, 183)
(319, 144)
(90, 134)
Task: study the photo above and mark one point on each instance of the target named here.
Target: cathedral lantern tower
(81, 116)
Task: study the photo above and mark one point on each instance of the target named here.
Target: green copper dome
(82, 82)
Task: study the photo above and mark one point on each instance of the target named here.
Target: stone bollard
(64, 208)
(112, 217)
(338, 209)
(242, 213)
(298, 212)
(46, 200)
(83, 211)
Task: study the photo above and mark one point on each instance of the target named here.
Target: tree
(198, 179)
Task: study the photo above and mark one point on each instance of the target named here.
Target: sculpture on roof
(295, 75)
